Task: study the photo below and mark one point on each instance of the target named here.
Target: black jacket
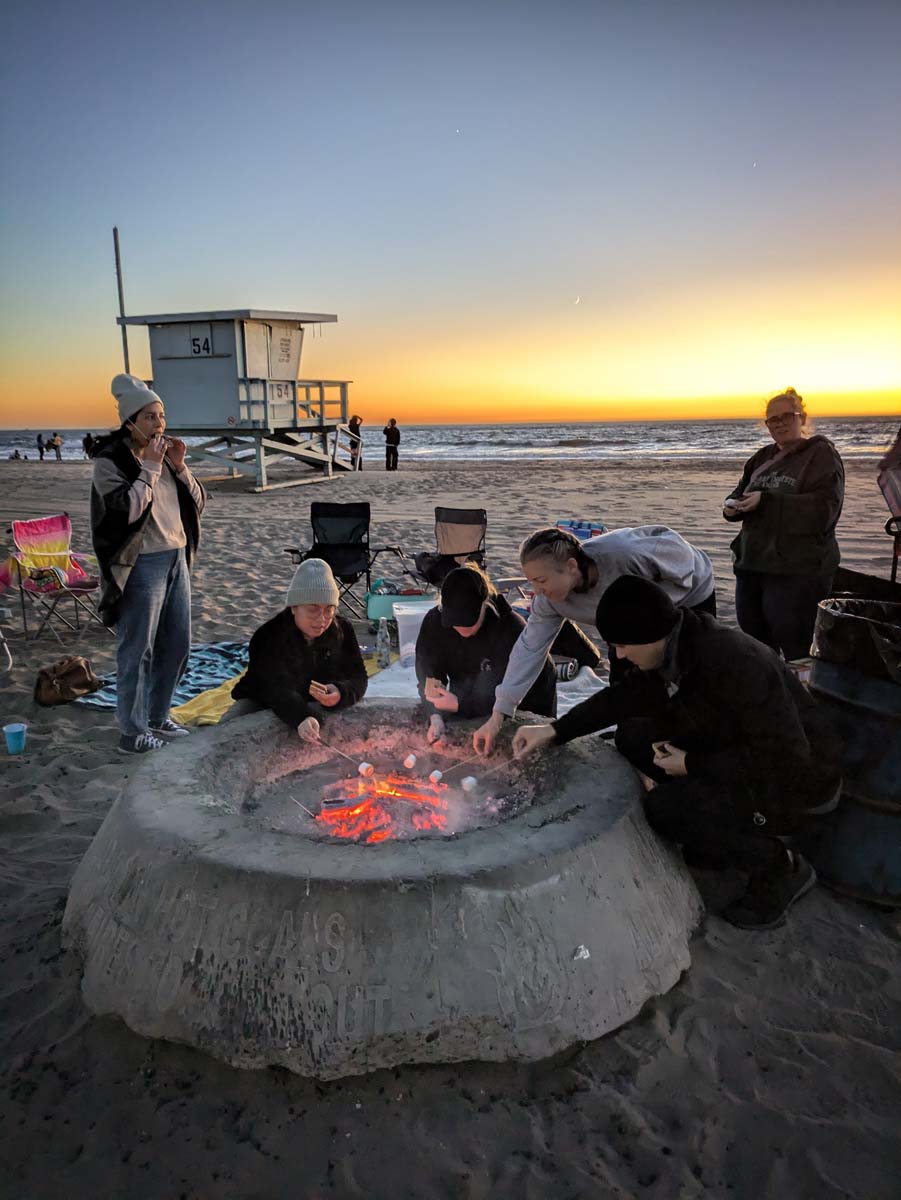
(792, 530)
(392, 435)
(475, 666)
(283, 664)
(735, 708)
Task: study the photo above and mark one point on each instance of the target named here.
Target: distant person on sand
(463, 648)
(569, 577)
(145, 523)
(41, 445)
(306, 660)
(392, 441)
(733, 752)
(356, 443)
(86, 443)
(788, 500)
(57, 443)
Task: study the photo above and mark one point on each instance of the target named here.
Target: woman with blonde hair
(788, 500)
(569, 577)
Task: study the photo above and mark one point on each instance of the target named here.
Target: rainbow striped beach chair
(47, 572)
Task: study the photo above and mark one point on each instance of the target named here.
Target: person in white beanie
(145, 524)
(306, 660)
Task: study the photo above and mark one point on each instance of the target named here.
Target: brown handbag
(65, 681)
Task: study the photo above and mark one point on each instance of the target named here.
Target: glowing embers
(379, 808)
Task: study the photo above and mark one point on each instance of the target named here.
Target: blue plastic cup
(15, 737)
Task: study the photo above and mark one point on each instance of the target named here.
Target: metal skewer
(463, 762)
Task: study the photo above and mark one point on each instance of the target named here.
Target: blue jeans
(154, 633)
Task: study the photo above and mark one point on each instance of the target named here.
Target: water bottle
(383, 645)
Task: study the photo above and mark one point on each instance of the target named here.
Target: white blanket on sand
(399, 682)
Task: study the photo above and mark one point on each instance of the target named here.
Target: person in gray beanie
(145, 524)
(733, 752)
(305, 661)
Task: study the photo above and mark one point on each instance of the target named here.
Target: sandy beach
(770, 1070)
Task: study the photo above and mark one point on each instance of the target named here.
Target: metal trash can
(856, 676)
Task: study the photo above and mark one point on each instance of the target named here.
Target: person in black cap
(463, 648)
(733, 753)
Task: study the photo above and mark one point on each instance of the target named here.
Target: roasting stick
(335, 750)
(305, 809)
(462, 763)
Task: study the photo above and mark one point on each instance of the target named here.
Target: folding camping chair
(47, 572)
(460, 538)
(341, 538)
(889, 481)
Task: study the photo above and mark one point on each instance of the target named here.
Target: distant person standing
(42, 445)
(392, 441)
(86, 443)
(57, 443)
(356, 442)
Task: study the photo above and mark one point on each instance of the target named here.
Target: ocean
(853, 436)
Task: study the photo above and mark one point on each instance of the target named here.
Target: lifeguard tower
(234, 376)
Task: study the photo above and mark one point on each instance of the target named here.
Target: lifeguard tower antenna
(233, 376)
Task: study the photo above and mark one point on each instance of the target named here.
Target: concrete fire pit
(220, 904)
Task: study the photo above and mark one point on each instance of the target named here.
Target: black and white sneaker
(142, 744)
(169, 729)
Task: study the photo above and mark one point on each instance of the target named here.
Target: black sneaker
(168, 728)
(142, 744)
(769, 897)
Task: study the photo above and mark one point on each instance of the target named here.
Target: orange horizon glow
(711, 349)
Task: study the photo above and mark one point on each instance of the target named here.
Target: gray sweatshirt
(163, 530)
(654, 552)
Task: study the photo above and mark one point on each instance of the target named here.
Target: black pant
(780, 610)
(391, 458)
(721, 824)
(618, 666)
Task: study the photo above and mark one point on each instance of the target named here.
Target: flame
(377, 809)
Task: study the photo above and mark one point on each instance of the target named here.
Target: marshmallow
(469, 784)
(410, 762)
(366, 769)
(436, 776)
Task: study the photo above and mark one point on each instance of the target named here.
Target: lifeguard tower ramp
(234, 377)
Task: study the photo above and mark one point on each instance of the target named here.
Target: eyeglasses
(780, 417)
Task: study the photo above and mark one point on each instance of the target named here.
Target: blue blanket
(209, 664)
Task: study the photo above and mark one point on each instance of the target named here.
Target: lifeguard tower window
(236, 371)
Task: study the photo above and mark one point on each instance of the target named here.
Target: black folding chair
(460, 538)
(341, 538)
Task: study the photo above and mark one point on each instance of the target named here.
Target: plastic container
(15, 737)
(409, 616)
(381, 604)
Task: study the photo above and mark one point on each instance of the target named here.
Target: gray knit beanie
(132, 394)
(313, 583)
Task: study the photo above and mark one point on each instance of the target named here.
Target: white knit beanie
(313, 583)
(132, 394)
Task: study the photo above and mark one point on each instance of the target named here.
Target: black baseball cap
(463, 593)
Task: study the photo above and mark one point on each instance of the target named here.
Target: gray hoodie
(654, 552)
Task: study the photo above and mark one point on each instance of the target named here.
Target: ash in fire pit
(328, 801)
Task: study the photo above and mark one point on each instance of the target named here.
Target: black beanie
(463, 593)
(635, 612)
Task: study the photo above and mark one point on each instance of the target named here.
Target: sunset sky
(519, 211)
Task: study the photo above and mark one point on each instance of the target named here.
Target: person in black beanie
(463, 648)
(732, 751)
